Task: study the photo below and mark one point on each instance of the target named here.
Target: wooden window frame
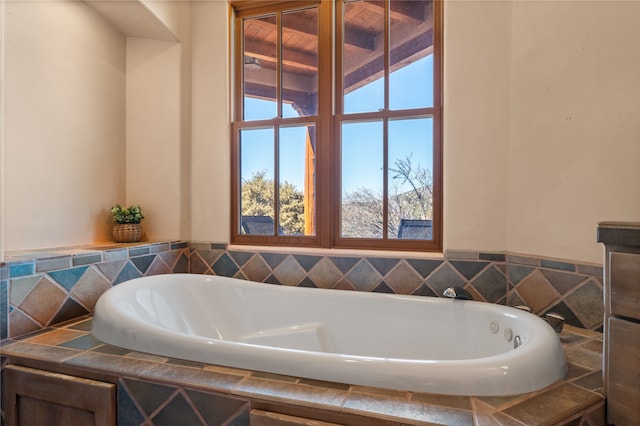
(327, 122)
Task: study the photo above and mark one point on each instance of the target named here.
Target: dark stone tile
(127, 411)
(562, 281)
(344, 264)
(241, 257)
(149, 396)
(273, 259)
(176, 412)
(563, 266)
(491, 284)
(186, 363)
(143, 262)
(443, 278)
(383, 264)
(493, 257)
(517, 273)
(468, 268)
(271, 279)
(179, 245)
(216, 409)
(383, 288)
(307, 282)
(307, 262)
(225, 266)
(127, 273)
(424, 267)
(182, 265)
(424, 290)
(70, 309)
(587, 303)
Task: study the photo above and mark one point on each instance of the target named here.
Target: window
(336, 137)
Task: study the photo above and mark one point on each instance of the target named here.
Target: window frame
(327, 126)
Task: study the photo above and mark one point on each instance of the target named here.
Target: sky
(361, 142)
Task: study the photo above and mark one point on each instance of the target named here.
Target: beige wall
(542, 124)
(574, 157)
(64, 121)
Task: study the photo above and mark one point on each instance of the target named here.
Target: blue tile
(177, 412)
(129, 272)
(4, 308)
(138, 251)
(21, 269)
(128, 412)
(149, 396)
(179, 245)
(306, 261)
(87, 259)
(182, 265)
(68, 278)
(424, 266)
(225, 266)
(143, 262)
(383, 264)
(241, 257)
(468, 268)
(273, 259)
(344, 264)
(564, 266)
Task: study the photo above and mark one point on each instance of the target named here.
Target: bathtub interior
(369, 324)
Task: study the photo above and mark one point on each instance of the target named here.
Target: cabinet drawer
(623, 387)
(625, 284)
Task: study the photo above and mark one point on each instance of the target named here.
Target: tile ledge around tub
(338, 252)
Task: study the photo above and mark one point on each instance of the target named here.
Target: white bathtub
(409, 343)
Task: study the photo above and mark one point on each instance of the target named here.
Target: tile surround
(71, 280)
(160, 390)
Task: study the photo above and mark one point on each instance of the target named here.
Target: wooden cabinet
(622, 322)
(41, 398)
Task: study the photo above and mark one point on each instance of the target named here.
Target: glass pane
(259, 72)
(300, 62)
(362, 179)
(411, 55)
(297, 181)
(256, 181)
(410, 179)
(363, 56)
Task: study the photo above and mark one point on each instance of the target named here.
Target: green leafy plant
(131, 214)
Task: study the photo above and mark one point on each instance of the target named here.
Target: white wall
(211, 151)
(477, 57)
(63, 124)
(574, 157)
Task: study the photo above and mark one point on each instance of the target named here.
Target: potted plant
(127, 228)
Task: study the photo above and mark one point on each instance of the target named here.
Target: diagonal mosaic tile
(403, 279)
(344, 264)
(325, 274)
(491, 284)
(225, 266)
(289, 272)
(445, 277)
(67, 278)
(363, 276)
(127, 273)
(307, 261)
(43, 301)
(383, 264)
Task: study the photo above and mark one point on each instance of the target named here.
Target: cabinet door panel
(37, 397)
(624, 372)
(625, 284)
